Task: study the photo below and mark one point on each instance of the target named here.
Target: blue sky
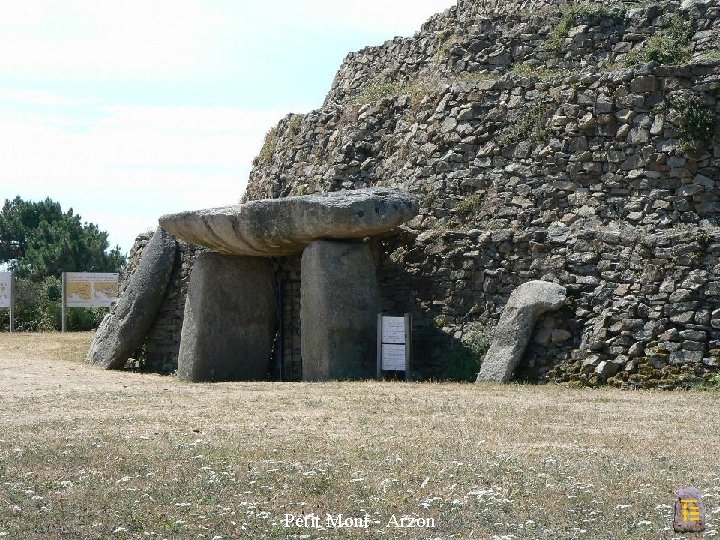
(128, 110)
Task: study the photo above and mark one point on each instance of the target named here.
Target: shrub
(696, 122)
(268, 149)
(530, 125)
(671, 46)
(293, 124)
(376, 93)
(38, 308)
(469, 203)
(592, 13)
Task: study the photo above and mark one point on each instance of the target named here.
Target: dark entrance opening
(288, 359)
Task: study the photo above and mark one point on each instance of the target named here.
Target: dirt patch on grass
(86, 453)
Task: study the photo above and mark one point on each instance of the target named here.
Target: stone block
(230, 320)
(644, 83)
(513, 332)
(340, 300)
(284, 226)
(124, 329)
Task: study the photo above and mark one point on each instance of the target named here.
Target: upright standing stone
(123, 330)
(230, 320)
(340, 299)
(513, 332)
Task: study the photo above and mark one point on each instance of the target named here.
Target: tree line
(39, 241)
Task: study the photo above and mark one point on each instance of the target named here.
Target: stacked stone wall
(162, 345)
(533, 162)
(539, 150)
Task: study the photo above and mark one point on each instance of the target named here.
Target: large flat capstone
(123, 330)
(340, 300)
(513, 332)
(230, 320)
(279, 227)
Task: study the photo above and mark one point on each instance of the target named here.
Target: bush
(670, 46)
(469, 203)
(591, 13)
(268, 149)
(696, 122)
(530, 125)
(38, 308)
(377, 92)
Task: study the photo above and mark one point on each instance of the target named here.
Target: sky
(128, 110)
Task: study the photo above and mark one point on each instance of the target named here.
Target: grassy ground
(91, 454)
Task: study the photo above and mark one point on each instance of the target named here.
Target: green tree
(38, 240)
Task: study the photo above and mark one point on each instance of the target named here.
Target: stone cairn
(570, 143)
(573, 143)
(230, 312)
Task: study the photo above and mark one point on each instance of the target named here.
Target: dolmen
(230, 312)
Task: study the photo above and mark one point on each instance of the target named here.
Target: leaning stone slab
(339, 303)
(230, 320)
(279, 227)
(513, 332)
(123, 330)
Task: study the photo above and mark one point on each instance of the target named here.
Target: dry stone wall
(588, 156)
(162, 345)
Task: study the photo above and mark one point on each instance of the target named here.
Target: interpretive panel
(87, 289)
(5, 289)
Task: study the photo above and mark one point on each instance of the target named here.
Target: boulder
(279, 227)
(513, 332)
(123, 330)
(339, 303)
(230, 320)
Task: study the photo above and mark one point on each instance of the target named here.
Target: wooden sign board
(393, 344)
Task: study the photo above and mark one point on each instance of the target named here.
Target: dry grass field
(88, 454)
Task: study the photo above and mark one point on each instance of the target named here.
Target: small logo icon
(689, 511)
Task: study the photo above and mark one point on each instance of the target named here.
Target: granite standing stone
(513, 332)
(230, 320)
(340, 299)
(123, 330)
(278, 227)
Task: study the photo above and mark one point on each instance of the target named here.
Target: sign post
(7, 295)
(393, 351)
(63, 306)
(88, 290)
(12, 302)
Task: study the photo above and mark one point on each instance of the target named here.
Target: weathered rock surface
(276, 227)
(123, 330)
(513, 332)
(230, 320)
(340, 299)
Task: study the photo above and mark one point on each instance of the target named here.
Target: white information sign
(87, 289)
(5, 289)
(393, 357)
(393, 344)
(393, 329)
